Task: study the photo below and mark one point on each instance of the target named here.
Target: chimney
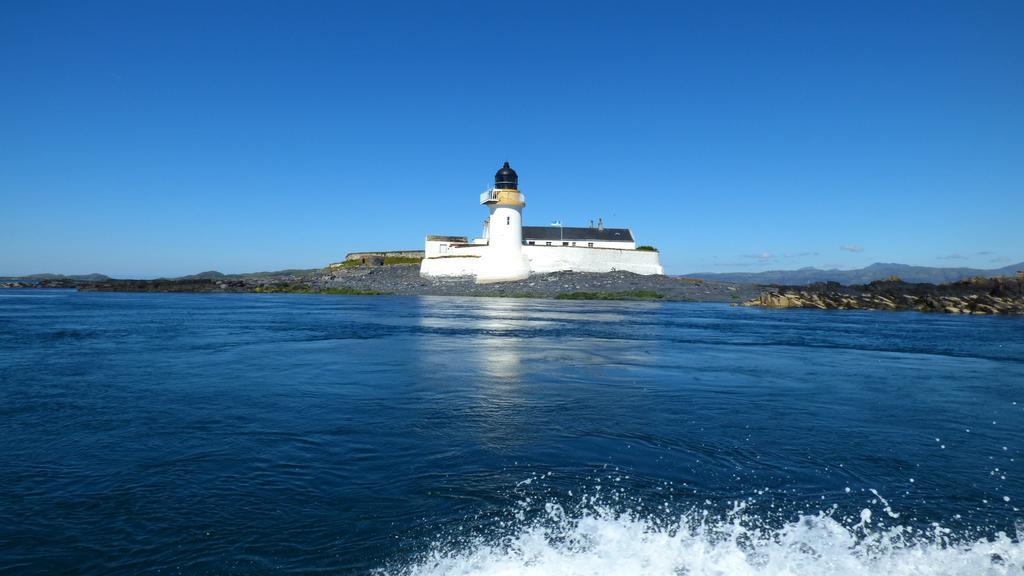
(591, 223)
(600, 225)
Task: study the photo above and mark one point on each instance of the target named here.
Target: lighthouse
(503, 260)
(509, 251)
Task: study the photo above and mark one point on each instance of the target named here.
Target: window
(508, 220)
(547, 243)
(530, 242)
(565, 243)
(573, 243)
(590, 244)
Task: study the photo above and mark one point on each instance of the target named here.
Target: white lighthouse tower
(503, 260)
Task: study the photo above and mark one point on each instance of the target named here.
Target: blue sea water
(302, 434)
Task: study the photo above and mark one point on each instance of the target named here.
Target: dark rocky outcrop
(1002, 295)
(165, 285)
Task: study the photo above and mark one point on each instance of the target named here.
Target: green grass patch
(629, 295)
(392, 260)
(646, 248)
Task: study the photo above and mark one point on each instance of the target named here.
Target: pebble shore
(405, 279)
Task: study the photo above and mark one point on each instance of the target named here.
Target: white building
(510, 251)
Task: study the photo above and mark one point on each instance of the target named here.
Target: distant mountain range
(83, 277)
(210, 275)
(877, 271)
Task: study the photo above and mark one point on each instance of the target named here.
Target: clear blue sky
(146, 138)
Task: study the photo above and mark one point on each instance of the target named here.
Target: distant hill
(877, 271)
(214, 275)
(209, 275)
(83, 277)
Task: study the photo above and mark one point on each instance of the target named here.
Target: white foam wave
(604, 543)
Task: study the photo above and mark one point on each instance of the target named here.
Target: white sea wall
(466, 260)
(545, 259)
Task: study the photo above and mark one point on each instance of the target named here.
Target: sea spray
(602, 542)
(612, 531)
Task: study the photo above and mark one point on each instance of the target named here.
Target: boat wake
(600, 541)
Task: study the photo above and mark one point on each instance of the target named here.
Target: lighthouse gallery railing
(492, 196)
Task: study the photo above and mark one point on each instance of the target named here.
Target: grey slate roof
(567, 233)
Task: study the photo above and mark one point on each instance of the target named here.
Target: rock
(974, 296)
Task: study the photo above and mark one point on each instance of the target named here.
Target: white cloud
(851, 248)
(953, 256)
(759, 256)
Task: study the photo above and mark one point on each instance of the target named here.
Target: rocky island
(999, 295)
(405, 279)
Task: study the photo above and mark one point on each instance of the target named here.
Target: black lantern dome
(506, 178)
